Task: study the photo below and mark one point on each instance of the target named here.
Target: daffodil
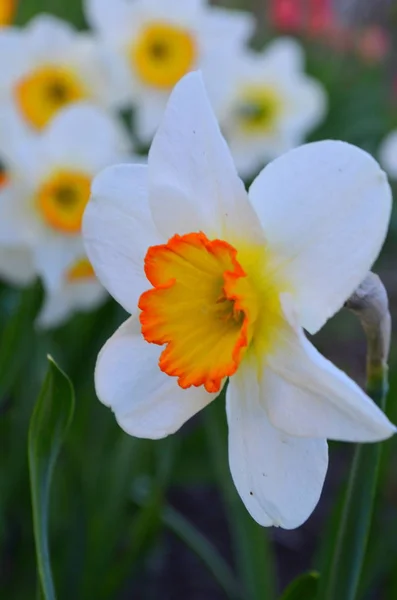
(220, 283)
(158, 42)
(48, 185)
(47, 66)
(272, 106)
(388, 154)
(79, 291)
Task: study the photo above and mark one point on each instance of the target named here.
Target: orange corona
(201, 307)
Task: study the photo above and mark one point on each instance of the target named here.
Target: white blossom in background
(49, 180)
(220, 283)
(48, 65)
(272, 107)
(388, 154)
(79, 290)
(158, 42)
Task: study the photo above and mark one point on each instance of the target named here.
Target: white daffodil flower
(49, 186)
(48, 65)
(272, 106)
(80, 290)
(219, 283)
(158, 42)
(388, 154)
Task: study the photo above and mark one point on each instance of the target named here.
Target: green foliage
(49, 425)
(303, 588)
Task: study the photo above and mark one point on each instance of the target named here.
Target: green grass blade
(341, 580)
(220, 570)
(49, 424)
(303, 588)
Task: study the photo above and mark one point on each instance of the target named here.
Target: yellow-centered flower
(272, 105)
(220, 282)
(47, 66)
(159, 42)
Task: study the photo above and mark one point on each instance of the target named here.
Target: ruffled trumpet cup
(219, 283)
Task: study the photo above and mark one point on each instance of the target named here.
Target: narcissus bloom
(219, 283)
(158, 42)
(272, 106)
(79, 290)
(48, 65)
(49, 179)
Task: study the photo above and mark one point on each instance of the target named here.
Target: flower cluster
(63, 94)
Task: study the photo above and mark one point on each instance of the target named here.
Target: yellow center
(7, 11)
(80, 271)
(258, 109)
(163, 54)
(209, 305)
(62, 199)
(42, 93)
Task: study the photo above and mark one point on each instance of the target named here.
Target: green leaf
(193, 538)
(303, 588)
(49, 424)
(341, 577)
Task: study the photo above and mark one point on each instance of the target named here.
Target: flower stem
(341, 582)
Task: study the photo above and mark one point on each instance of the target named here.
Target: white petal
(192, 179)
(84, 137)
(148, 115)
(228, 27)
(146, 402)
(118, 230)
(20, 224)
(102, 71)
(305, 106)
(61, 304)
(284, 54)
(12, 44)
(16, 266)
(306, 395)
(53, 257)
(388, 154)
(279, 477)
(47, 37)
(325, 209)
(108, 16)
